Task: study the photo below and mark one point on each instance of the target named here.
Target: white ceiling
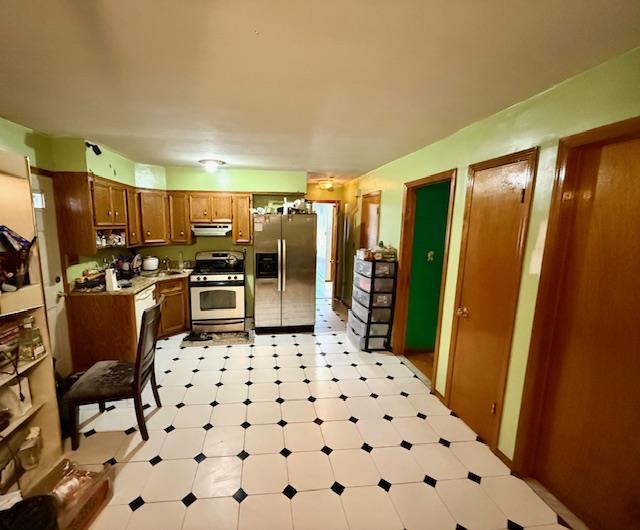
(337, 86)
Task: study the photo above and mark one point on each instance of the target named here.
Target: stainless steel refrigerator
(285, 271)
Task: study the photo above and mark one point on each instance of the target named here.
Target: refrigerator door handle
(284, 264)
(279, 265)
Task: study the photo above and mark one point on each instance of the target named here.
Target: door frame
(405, 254)
(377, 193)
(540, 359)
(531, 156)
(335, 237)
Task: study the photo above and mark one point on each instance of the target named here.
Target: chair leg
(140, 416)
(101, 406)
(74, 413)
(154, 388)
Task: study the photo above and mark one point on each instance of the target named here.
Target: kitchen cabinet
(133, 219)
(175, 306)
(200, 207)
(179, 226)
(221, 207)
(108, 204)
(153, 215)
(241, 218)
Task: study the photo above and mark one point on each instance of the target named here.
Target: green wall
(607, 93)
(432, 204)
(27, 142)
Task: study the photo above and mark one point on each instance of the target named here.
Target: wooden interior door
(101, 196)
(370, 220)
(179, 229)
(496, 215)
(588, 449)
(333, 256)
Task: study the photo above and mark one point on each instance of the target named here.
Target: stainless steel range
(216, 288)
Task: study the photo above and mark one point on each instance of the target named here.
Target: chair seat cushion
(103, 381)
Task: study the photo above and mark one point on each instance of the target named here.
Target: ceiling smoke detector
(211, 165)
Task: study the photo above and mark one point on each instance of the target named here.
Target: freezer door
(299, 270)
(267, 234)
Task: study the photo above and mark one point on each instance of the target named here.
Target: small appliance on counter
(111, 280)
(216, 289)
(150, 263)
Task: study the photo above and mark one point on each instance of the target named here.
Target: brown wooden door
(180, 229)
(588, 451)
(153, 216)
(495, 222)
(241, 226)
(370, 220)
(133, 218)
(174, 315)
(200, 207)
(101, 196)
(220, 207)
(119, 205)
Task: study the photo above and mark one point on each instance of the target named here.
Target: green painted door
(432, 203)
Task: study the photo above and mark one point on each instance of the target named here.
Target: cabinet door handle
(109, 213)
(205, 212)
(240, 233)
(181, 233)
(148, 233)
(133, 234)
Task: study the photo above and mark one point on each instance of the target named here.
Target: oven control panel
(219, 279)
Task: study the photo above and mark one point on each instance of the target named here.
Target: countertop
(138, 283)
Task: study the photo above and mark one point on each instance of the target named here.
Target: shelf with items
(111, 238)
(370, 318)
(7, 375)
(17, 421)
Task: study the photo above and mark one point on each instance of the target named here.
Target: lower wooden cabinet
(175, 306)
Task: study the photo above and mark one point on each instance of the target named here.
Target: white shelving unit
(16, 212)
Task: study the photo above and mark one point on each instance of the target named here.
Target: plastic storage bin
(378, 314)
(378, 285)
(375, 330)
(383, 269)
(376, 299)
(375, 343)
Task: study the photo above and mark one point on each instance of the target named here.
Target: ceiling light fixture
(326, 184)
(211, 165)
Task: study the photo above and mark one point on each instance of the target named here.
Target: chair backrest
(147, 344)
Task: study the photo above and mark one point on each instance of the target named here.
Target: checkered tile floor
(304, 432)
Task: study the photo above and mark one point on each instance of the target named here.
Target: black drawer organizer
(371, 315)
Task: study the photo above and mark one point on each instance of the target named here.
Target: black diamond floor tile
(337, 488)
(240, 495)
(386, 486)
(189, 499)
(136, 503)
(289, 492)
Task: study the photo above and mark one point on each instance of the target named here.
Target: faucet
(166, 262)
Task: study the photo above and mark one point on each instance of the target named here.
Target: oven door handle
(279, 265)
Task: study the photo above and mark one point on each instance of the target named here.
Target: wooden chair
(116, 380)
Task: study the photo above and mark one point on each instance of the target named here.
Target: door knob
(462, 312)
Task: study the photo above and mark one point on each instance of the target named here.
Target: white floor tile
(205, 514)
(420, 508)
(130, 480)
(345, 372)
(309, 471)
(264, 474)
(353, 387)
(354, 467)
(263, 392)
(364, 408)
(397, 370)
(411, 385)
(218, 477)
(264, 412)
(469, 505)
(396, 406)
(153, 516)
(263, 362)
(479, 459)
(182, 443)
(415, 430)
(95, 449)
(112, 517)
(370, 509)
(206, 378)
(324, 389)
(192, 416)
(438, 461)
(264, 375)
(135, 449)
(239, 362)
(294, 390)
(331, 409)
(383, 387)
(200, 395)
(223, 441)
(170, 395)
(118, 419)
(518, 501)
(265, 512)
(303, 437)
(298, 411)
(341, 435)
(232, 393)
(170, 480)
(260, 439)
(428, 404)
(318, 373)
(318, 510)
(159, 418)
(226, 414)
(396, 465)
(451, 428)
(291, 374)
(379, 433)
(235, 376)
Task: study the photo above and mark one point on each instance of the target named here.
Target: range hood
(212, 230)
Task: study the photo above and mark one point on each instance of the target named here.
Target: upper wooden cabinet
(220, 207)
(108, 204)
(153, 215)
(179, 225)
(200, 207)
(133, 218)
(241, 214)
